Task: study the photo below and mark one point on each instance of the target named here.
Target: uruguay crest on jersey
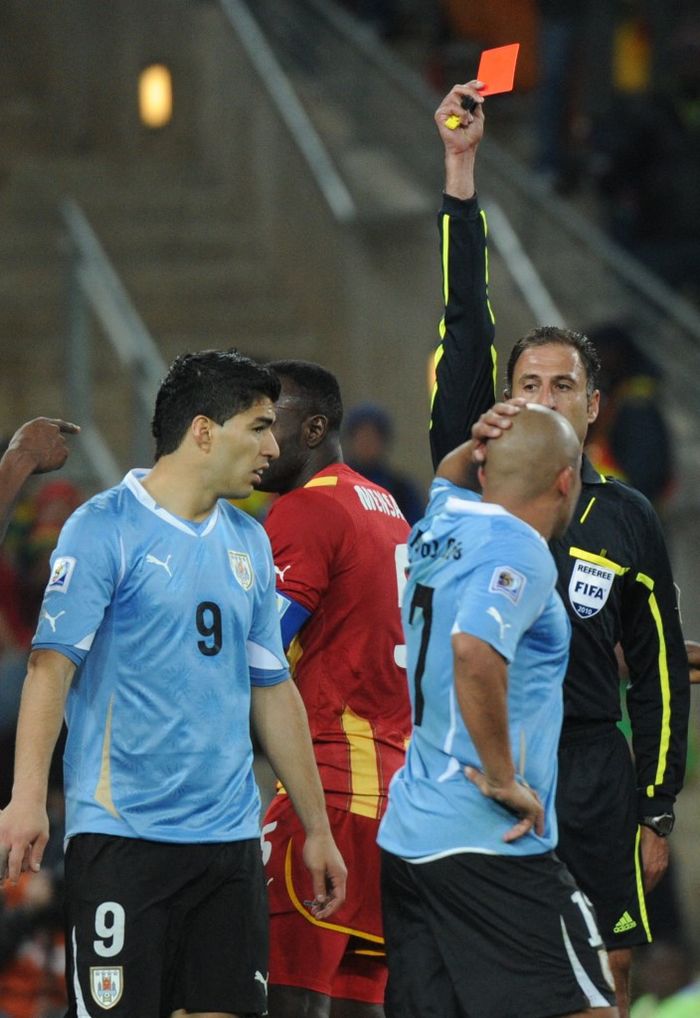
(107, 985)
(242, 568)
(589, 587)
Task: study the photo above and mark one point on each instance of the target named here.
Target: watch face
(663, 824)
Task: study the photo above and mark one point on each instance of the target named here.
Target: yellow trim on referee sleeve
(665, 685)
(484, 220)
(322, 482)
(639, 875)
(587, 510)
(364, 770)
(599, 560)
(311, 918)
(439, 354)
(445, 258)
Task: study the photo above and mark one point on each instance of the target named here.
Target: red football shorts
(342, 957)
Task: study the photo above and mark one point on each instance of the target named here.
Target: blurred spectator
(662, 970)
(381, 15)
(683, 1004)
(366, 442)
(573, 89)
(649, 177)
(560, 25)
(630, 438)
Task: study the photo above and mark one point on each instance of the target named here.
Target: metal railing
(95, 291)
(285, 100)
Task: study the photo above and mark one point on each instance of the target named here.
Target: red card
(497, 69)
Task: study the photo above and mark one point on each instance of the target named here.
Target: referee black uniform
(616, 584)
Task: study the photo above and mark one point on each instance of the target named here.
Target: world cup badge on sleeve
(509, 582)
(242, 568)
(61, 574)
(107, 985)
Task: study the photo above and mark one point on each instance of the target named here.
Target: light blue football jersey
(474, 568)
(170, 623)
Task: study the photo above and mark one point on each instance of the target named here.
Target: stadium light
(155, 96)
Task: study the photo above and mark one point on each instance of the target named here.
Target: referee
(614, 814)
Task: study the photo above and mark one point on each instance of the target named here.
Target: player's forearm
(459, 174)
(459, 467)
(465, 359)
(281, 724)
(481, 687)
(40, 718)
(15, 468)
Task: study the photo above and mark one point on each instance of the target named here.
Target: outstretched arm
(35, 448)
(280, 721)
(465, 360)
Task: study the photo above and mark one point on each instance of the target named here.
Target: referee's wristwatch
(662, 824)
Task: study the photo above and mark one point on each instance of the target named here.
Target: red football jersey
(339, 545)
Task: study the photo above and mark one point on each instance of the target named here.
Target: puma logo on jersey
(495, 614)
(281, 572)
(260, 978)
(152, 560)
(51, 619)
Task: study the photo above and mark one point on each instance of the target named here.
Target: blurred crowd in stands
(609, 92)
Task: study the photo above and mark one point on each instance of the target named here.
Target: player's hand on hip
(466, 135)
(515, 796)
(328, 873)
(654, 857)
(24, 832)
(42, 440)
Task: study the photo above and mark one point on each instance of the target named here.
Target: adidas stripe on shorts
(598, 830)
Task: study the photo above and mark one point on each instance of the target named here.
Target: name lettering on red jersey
(378, 501)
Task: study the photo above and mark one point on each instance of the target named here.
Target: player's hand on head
(328, 873)
(517, 797)
(43, 441)
(469, 129)
(494, 422)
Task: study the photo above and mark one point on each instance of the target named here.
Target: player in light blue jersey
(480, 917)
(159, 634)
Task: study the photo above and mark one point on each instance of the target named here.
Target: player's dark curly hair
(547, 335)
(216, 383)
(317, 386)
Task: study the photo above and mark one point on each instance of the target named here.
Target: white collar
(133, 482)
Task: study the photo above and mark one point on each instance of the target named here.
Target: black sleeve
(658, 698)
(465, 360)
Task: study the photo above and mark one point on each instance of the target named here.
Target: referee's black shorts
(598, 829)
(489, 936)
(153, 927)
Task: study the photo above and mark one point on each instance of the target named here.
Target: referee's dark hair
(216, 383)
(548, 335)
(317, 387)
